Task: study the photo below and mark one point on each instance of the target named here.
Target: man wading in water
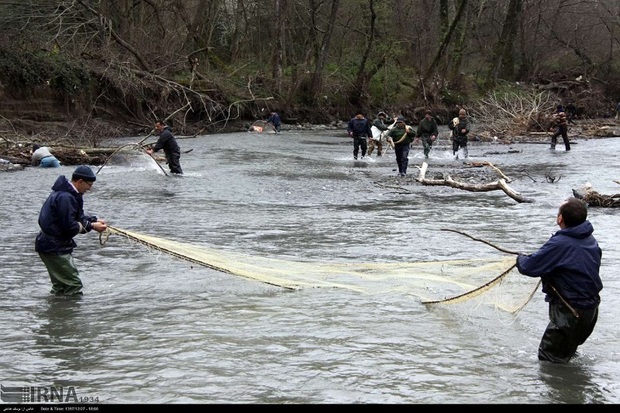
(168, 143)
(568, 264)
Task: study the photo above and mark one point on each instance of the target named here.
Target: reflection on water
(151, 328)
(59, 336)
(572, 383)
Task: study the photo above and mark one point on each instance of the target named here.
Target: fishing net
(434, 282)
(262, 126)
(134, 157)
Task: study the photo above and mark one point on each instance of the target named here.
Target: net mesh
(434, 282)
(134, 157)
(262, 126)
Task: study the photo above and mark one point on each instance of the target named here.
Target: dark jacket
(274, 119)
(457, 129)
(427, 127)
(359, 128)
(400, 136)
(382, 124)
(60, 219)
(167, 142)
(570, 262)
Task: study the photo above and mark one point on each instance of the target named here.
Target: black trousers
(174, 162)
(562, 130)
(565, 332)
(459, 142)
(359, 142)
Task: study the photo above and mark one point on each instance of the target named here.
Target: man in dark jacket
(275, 120)
(168, 143)
(460, 128)
(568, 264)
(62, 218)
(359, 129)
(427, 132)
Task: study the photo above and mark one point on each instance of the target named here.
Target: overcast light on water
(155, 329)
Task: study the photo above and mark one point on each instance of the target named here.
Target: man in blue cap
(62, 218)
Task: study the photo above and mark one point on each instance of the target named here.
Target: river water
(155, 329)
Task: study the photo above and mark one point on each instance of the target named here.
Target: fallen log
(66, 156)
(491, 186)
(493, 167)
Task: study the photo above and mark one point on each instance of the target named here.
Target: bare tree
(317, 76)
(446, 38)
(280, 6)
(502, 60)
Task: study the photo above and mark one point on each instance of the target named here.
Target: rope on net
(485, 287)
(475, 292)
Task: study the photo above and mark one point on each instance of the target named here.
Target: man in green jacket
(427, 132)
(401, 136)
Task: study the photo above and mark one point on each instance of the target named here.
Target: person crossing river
(359, 129)
(381, 124)
(401, 136)
(427, 132)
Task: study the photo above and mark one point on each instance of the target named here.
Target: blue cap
(84, 173)
(400, 119)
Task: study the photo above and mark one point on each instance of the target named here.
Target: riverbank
(15, 150)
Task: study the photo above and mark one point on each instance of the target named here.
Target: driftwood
(490, 165)
(594, 199)
(66, 156)
(491, 186)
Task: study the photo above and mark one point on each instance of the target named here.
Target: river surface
(154, 329)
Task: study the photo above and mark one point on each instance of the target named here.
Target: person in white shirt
(42, 157)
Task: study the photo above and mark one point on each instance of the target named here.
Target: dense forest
(83, 70)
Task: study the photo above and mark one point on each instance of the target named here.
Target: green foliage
(452, 97)
(392, 86)
(23, 71)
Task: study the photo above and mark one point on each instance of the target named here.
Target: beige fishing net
(433, 282)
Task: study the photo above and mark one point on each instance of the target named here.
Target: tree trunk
(317, 76)
(362, 80)
(502, 63)
(445, 41)
(280, 6)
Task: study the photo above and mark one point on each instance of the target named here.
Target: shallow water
(151, 328)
